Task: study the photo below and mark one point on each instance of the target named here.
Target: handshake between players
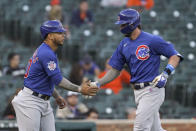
(89, 88)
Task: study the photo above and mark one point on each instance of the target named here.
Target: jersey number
(35, 58)
(28, 68)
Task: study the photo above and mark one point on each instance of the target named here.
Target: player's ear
(50, 36)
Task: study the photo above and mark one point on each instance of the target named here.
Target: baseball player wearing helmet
(141, 52)
(32, 105)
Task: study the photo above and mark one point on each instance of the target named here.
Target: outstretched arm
(66, 84)
(85, 88)
(109, 76)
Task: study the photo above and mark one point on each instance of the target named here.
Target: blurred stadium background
(174, 20)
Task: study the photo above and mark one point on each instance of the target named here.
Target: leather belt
(138, 86)
(42, 96)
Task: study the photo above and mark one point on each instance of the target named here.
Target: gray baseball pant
(33, 113)
(148, 100)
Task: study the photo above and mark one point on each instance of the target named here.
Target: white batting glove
(161, 80)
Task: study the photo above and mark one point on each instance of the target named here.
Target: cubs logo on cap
(142, 52)
(51, 65)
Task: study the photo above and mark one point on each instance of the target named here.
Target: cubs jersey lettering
(142, 56)
(42, 71)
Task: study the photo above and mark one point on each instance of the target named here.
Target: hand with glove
(161, 80)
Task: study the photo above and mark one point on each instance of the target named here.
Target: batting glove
(161, 80)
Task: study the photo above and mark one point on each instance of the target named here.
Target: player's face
(59, 38)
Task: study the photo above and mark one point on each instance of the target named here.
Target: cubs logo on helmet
(142, 52)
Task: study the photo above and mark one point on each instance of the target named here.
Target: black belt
(44, 97)
(138, 86)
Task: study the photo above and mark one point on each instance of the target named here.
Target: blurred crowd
(13, 68)
(85, 68)
(82, 15)
(81, 70)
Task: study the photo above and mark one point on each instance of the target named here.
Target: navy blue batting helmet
(51, 26)
(130, 17)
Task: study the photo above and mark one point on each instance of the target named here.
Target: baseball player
(141, 52)
(32, 105)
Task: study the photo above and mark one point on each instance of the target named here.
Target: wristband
(169, 69)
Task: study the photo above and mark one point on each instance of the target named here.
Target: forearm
(174, 61)
(110, 75)
(55, 93)
(172, 64)
(160, 81)
(66, 84)
(97, 72)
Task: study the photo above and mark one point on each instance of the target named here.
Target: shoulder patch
(51, 65)
(142, 52)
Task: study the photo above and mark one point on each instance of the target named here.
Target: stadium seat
(168, 17)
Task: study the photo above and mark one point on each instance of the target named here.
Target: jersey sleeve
(50, 64)
(117, 60)
(161, 47)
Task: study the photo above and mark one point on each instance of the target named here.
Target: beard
(57, 43)
(127, 35)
